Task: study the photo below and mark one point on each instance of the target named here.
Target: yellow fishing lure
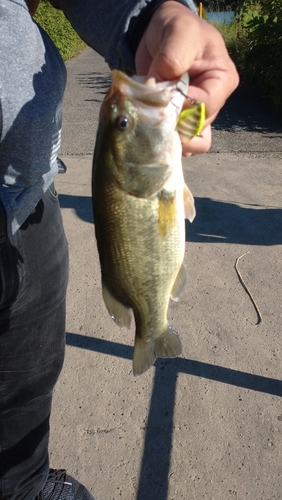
(191, 122)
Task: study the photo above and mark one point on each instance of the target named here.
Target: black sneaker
(60, 486)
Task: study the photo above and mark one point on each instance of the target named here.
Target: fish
(140, 202)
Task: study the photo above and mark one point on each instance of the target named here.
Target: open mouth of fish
(149, 91)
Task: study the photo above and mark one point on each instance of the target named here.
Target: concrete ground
(209, 423)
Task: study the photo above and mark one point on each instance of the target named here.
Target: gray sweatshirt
(32, 83)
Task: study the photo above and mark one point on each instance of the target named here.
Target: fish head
(137, 133)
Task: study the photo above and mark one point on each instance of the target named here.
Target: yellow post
(200, 9)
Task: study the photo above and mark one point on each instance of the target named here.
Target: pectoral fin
(189, 205)
(179, 283)
(191, 122)
(118, 312)
(144, 180)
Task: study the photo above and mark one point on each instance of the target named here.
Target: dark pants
(33, 281)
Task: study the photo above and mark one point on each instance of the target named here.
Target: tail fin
(167, 345)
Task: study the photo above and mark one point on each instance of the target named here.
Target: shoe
(60, 486)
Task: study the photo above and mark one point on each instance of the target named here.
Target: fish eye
(122, 122)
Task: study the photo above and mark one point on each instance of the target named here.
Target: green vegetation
(262, 24)
(59, 29)
(254, 40)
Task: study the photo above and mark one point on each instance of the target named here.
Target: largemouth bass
(140, 202)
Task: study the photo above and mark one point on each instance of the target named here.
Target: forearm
(112, 28)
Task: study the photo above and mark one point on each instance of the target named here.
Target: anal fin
(118, 312)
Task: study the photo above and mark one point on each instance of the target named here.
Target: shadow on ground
(82, 206)
(154, 469)
(221, 222)
(100, 82)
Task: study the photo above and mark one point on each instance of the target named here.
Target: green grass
(59, 29)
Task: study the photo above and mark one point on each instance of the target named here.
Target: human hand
(175, 41)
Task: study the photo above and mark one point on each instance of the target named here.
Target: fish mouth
(148, 92)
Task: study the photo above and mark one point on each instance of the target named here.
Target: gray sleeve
(113, 28)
